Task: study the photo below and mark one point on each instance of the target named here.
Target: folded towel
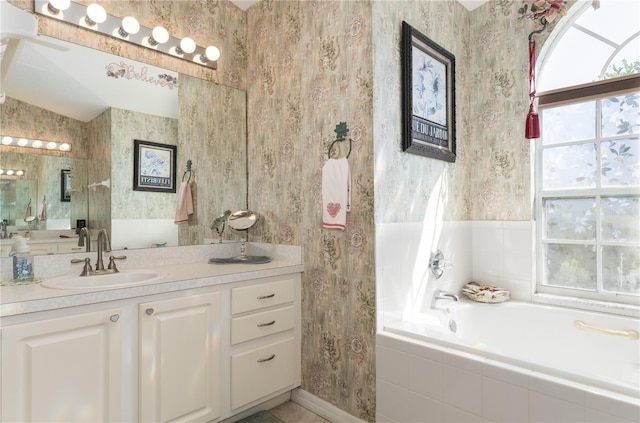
(185, 204)
(336, 193)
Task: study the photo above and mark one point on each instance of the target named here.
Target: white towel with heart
(336, 193)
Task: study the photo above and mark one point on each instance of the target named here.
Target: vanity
(201, 342)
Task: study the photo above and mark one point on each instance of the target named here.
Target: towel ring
(189, 162)
(331, 147)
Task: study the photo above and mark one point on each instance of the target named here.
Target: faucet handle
(87, 269)
(112, 263)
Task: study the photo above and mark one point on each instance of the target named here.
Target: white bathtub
(529, 342)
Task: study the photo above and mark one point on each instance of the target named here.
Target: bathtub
(569, 360)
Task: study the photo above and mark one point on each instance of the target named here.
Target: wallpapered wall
(309, 69)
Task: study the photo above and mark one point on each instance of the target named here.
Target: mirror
(242, 220)
(101, 103)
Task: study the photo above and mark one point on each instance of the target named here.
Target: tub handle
(632, 334)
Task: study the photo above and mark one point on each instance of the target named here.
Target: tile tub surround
(421, 382)
(184, 267)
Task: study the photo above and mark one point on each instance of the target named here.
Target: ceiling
(74, 81)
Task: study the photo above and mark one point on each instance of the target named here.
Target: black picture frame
(65, 185)
(428, 97)
(154, 166)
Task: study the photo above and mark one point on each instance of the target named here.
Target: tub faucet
(103, 245)
(443, 295)
(84, 235)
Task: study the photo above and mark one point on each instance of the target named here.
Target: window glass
(572, 266)
(620, 163)
(572, 166)
(621, 269)
(573, 218)
(573, 122)
(620, 219)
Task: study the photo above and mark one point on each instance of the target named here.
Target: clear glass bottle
(22, 260)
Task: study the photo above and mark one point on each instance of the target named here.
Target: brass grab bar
(632, 334)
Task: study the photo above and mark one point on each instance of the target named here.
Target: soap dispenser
(22, 260)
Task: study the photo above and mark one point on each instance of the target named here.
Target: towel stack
(485, 293)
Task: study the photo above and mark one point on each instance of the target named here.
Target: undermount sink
(121, 279)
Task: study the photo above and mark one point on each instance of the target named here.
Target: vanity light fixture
(210, 54)
(57, 6)
(95, 18)
(129, 25)
(95, 15)
(39, 144)
(11, 172)
(187, 45)
(159, 35)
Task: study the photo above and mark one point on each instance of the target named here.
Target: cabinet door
(63, 370)
(180, 359)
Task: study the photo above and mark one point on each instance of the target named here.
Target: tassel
(532, 124)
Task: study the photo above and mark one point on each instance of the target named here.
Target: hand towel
(185, 204)
(27, 210)
(43, 211)
(336, 193)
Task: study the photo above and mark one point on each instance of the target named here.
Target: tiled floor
(290, 412)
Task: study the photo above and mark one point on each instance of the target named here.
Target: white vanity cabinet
(202, 352)
(63, 369)
(180, 359)
(265, 339)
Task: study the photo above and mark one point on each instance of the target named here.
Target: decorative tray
(485, 293)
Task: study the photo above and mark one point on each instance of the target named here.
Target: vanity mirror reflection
(99, 104)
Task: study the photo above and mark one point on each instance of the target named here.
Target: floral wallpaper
(310, 69)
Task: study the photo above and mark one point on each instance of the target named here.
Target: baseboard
(322, 408)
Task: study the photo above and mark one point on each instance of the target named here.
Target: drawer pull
(261, 325)
(149, 311)
(264, 297)
(114, 318)
(262, 360)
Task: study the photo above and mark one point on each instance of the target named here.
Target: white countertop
(178, 276)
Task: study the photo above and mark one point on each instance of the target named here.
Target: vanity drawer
(261, 324)
(255, 297)
(261, 372)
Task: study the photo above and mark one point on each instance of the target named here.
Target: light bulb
(65, 146)
(51, 145)
(159, 35)
(210, 54)
(129, 25)
(19, 172)
(37, 144)
(7, 140)
(9, 172)
(1, 171)
(22, 142)
(187, 45)
(95, 14)
(55, 6)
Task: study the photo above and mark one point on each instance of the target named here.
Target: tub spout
(443, 295)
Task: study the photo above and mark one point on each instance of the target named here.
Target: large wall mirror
(100, 104)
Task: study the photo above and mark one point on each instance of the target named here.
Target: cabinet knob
(264, 297)
(114, 318)
(261, 325)
(149, 311)
(262, 360)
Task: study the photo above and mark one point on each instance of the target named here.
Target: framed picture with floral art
(428, 97)
(154, 167)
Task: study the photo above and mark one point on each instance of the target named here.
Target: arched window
(588, 156)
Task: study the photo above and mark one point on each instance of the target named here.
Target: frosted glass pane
(621, 115)
(621, 163)
(620, 219)
(571, 266)
(574, 122)
(570, 218)
(615, 20)
(621, 269)
(572, 166)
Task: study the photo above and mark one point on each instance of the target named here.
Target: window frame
(573, 95)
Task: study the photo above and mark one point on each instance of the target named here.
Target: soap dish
(485, 293)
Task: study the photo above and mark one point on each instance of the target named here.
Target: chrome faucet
(84, 233)
(103, 245)
(443, 295)
(3, 227)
